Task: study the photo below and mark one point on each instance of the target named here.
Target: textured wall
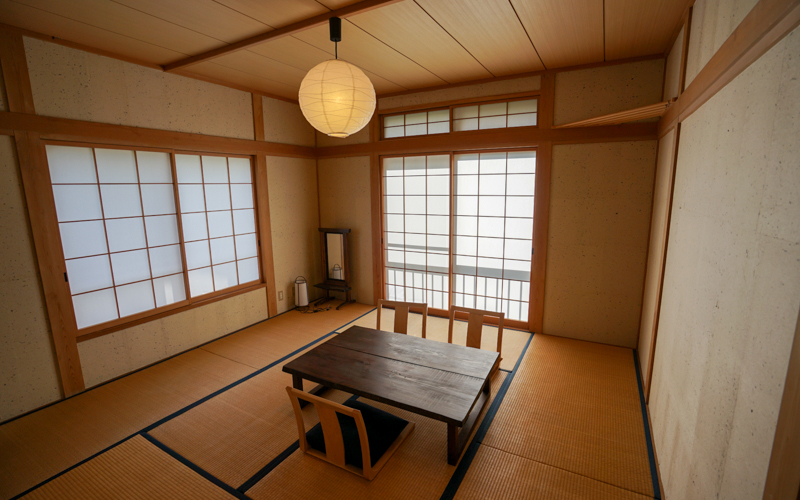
(27, 367)
(70, 83)
(655, 253)
(285, 123)
(713, 21)
(598, 91)
(672, 72)
(294, 215)
(344, 201)
(600, 199)
(118, 353)
(360, 137)
(732, 284)
(487, 89)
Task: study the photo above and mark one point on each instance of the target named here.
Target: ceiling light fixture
(336, 97)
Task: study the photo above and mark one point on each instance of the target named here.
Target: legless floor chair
(401, 315)
(354, 436)
(475, 328)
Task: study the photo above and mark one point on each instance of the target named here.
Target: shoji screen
(119, 232)
(219, 229)
(493, 231)
(416, 228)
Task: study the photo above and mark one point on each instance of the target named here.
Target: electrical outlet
(280, 295)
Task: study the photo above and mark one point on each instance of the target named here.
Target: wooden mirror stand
(335, 264)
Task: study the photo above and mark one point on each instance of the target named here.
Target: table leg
(457, 439)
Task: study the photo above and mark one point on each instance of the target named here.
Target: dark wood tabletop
(435, 379)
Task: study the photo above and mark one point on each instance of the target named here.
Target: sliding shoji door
(416, 205)
(491, 230)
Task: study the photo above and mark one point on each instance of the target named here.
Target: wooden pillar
(264, 225)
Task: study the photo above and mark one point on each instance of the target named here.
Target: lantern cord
(336, 49)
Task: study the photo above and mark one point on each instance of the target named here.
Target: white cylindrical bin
(300, 292)
(337, 272)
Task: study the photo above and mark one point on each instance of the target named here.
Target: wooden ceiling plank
(489, 30)
(54, 25)
(319, 20)
(262, 67)
(128, 22)
(564, 32)
(411, 31)
(203, 16)
(634, 28)
(365, 51)
(276, 13)
(211, 69)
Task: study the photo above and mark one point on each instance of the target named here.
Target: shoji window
(219, 229)
(419, 123)
(519, 113)
(416, 228)
(118, 221)
(493, 231)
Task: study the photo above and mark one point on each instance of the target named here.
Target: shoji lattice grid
(119, 231)
(493, 231)
(421, 123)
(218, 218)
(520, 113)
(416, 205)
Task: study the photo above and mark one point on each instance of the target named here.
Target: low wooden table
(442, 381)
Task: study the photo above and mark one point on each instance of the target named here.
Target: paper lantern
(337, 98)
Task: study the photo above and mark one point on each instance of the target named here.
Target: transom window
(118, 220)
(470, 245)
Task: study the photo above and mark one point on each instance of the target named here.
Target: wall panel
(600, 197)
(672, 73)
(592, 92)
(69, 83)
(294, 214)
(732, 284)
(344, 201)
(285, 123)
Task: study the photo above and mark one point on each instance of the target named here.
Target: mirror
(335, 248)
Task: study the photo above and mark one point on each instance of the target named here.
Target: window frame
(451, 106)
(526, 324)
(93, 331)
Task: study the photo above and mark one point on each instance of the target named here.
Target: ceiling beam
(313, 22)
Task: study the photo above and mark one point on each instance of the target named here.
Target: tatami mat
(44, 443)
(513, 340)
(499, 475)
(417, 470)
(36, 447)
(575, 406)
(136, 469)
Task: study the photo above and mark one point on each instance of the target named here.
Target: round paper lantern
(337, 98)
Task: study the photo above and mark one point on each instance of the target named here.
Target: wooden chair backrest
(332, 432)
(401, 315)
(475, 325)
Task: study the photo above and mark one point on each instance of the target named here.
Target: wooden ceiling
(401, 45)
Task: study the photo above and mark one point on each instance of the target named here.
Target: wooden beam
(265, 234)
(65, 129)
(375, 206)
(627, 116)
(766, 24)
(15, 73)
(52, 269)
(783, 474)
(494, 139)
(258, 118)
(313, 22)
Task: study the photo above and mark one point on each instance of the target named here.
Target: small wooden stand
(330, 284)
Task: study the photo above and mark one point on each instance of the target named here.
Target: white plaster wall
(27, 367)
(588, 93)
(713, 21)
(121, 352)
(732, 286)
(600, 197)
(294, 217)
(672, 72)
(487, 89)
(285, 123)
(345, 201)
(70, 83)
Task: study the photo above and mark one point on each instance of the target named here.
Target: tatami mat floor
(215, 422)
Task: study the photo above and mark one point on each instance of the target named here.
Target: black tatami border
(648, 436)
(177, 413)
